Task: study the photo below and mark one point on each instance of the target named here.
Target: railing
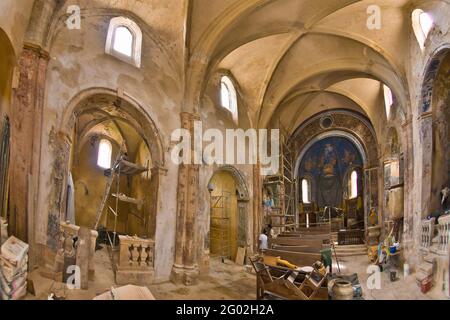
(136, 253)
(68, 233)
(350, 237)
(426, 233)
(443, 234)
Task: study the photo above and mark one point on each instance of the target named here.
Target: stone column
(185, 269)
(257, 204)
(26, 127)
(426, 142)
(410, 237)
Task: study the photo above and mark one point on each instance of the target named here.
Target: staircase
(351, 250)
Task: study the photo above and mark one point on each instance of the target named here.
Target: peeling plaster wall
(78, 63)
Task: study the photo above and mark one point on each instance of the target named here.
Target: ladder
(109, 183)
(121, 166)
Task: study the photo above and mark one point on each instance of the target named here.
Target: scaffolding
(283, 188)
(221, 223)
(120, 167)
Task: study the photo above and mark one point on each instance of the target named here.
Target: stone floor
(229, 281)
(226, 281)
(402, 289)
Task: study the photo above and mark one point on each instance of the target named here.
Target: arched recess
(100, 102)
(433, 129)
(229, 199)
(361, 135)
(440, 109)
(7, 61)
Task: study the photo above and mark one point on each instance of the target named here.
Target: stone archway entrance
(228, 227)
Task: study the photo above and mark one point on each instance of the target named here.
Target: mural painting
(327, 165)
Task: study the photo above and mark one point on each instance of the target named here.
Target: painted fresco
(326, 164)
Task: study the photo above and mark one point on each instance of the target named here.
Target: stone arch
(362, 136)
(430, 75)
(119, 105)
(126, 107)
(239, 219)
(6, 65)
(428, 122)
(241, 184)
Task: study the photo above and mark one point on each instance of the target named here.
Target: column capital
(37, 49)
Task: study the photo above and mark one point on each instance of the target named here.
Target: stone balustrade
(136, 261)
(67, 233)
(426, 234)
(443, 235)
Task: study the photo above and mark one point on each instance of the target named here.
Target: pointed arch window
(353, 185)
(422, 24)
(104, 154)
(306, 191)
(228, 97)
(124, 40)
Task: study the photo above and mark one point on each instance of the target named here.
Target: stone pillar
(412, 219)
(26, 127)
(257, 204)
(185, 269)
(426, 142)
(156, 174)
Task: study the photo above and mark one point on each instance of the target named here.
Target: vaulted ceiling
(294, 58)
(290, 58)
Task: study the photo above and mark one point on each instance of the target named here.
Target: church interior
(93, 94)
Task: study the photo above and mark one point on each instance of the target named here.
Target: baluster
(144, 255)
(134, 255)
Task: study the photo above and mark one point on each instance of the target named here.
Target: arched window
(228, 97)
(353, 185)
(422, 24)
(388, 100)
(104, 154)
(124, 40)
(305, 191)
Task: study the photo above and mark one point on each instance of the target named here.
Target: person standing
(263, 240)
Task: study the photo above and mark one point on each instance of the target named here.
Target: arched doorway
(228, 227)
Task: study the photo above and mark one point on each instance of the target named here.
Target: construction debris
(129, 292)
(13, 269)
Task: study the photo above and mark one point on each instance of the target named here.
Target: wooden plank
(240, 256)
(300, 259)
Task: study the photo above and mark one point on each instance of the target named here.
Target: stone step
(351, 250)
